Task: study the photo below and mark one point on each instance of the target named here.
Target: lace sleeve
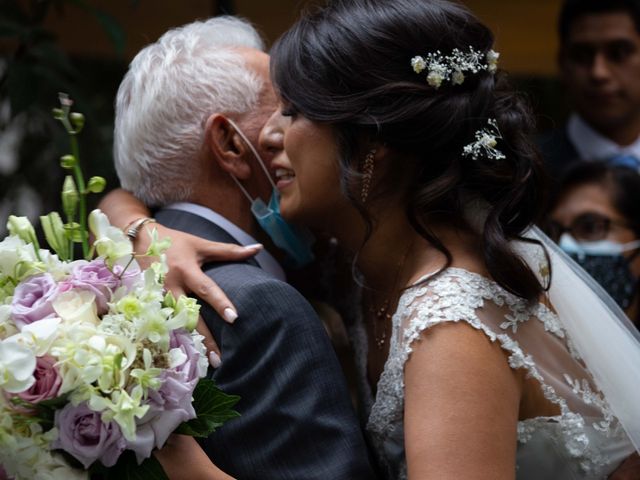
(532, 338)
(460, 296)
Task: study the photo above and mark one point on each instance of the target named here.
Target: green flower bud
(68, 162)
(96, 184)
(191, 309)
(169, 300)
(70, 197)
(75, 232)
(21, 227)
(77, 120)
(55, 234)
(58, 114)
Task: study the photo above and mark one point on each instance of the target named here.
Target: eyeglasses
(588, 226)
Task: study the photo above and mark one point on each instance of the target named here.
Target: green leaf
(128, 469)
(213, 407)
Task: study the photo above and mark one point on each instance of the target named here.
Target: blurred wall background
(83, 47)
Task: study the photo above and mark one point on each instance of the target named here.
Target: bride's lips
(284, 177)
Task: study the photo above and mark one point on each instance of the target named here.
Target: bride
(484, 352)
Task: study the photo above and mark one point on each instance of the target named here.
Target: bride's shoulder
(460, 294)
(454, 281)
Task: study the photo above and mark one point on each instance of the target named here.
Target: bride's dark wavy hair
(348, 64)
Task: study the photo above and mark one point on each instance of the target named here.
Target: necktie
(624, 160)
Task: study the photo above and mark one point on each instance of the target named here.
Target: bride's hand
(185, 257)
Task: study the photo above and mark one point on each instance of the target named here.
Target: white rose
(77, 306)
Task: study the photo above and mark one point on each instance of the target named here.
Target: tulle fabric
(602, 335)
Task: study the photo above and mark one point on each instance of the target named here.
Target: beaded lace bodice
(583, 441)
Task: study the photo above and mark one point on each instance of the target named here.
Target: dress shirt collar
(592, 145)
(265, 259)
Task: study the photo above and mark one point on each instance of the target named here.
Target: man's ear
(227, 149)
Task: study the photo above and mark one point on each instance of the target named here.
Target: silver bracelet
(135, 226)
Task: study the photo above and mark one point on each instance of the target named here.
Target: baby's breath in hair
(442, 68)
(485, 144)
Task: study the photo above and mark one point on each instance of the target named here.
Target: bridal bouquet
(98, 364)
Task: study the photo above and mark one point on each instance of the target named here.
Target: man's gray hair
(164, 100)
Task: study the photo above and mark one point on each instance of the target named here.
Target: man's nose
(600, 68)
(272, 134)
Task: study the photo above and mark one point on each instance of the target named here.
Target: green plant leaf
(213, 407)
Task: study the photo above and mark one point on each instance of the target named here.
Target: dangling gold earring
(367, 174)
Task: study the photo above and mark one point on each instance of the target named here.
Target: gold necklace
(382, 313)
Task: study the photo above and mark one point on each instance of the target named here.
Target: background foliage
(33, 69)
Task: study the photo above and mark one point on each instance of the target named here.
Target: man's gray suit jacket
(297, 421)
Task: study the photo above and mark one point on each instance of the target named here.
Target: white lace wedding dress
(585, 441)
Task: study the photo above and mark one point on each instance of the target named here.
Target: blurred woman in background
(595, 218)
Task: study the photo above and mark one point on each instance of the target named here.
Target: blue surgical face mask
(295, 241)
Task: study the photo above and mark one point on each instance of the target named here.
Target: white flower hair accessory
(443, 68)
(485, 144)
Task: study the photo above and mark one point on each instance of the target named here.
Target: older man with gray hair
(188, 116)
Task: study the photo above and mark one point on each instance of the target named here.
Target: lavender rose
(96, 277)
(32, 299)
(47, 382)
(195, 365)
(170, 405)
(82, 434)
